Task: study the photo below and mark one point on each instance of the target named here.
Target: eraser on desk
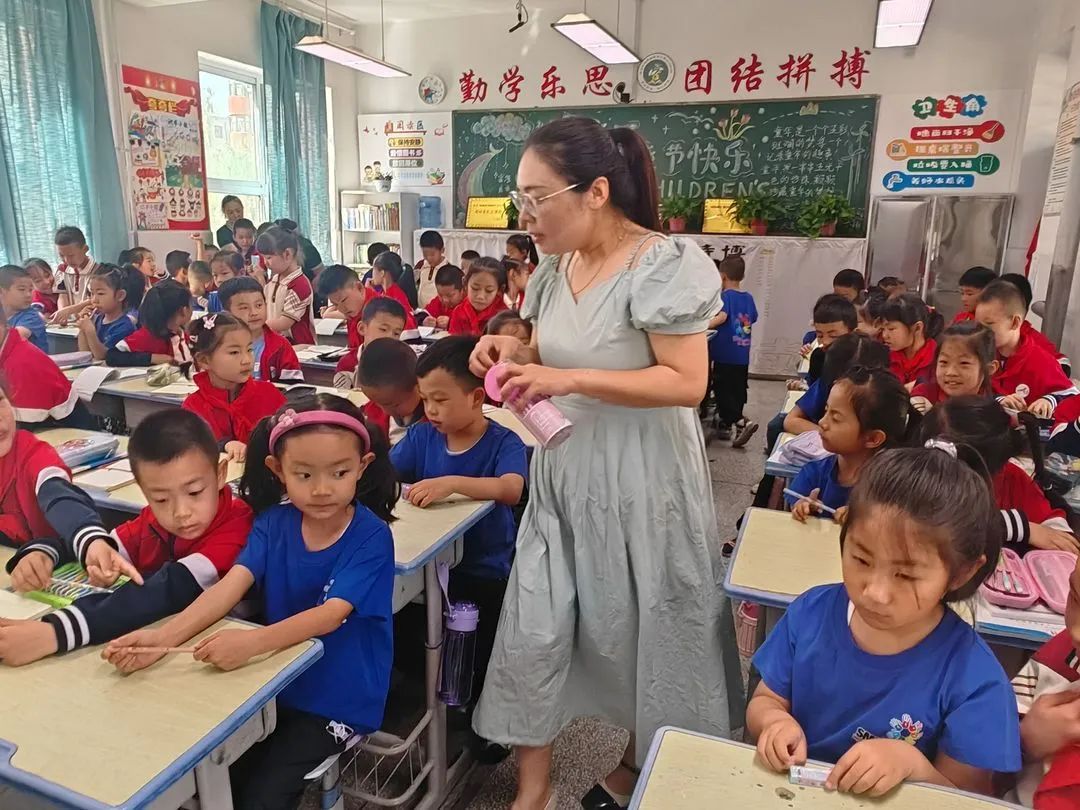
(808, 775)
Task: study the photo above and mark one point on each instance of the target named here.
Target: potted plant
(675, 210)
(383, 180)
(757, 209)
(820, 216)
(512, 215)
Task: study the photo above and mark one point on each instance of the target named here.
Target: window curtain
(57, 156)
(295, 84)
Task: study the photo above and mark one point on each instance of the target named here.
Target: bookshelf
(374, 216)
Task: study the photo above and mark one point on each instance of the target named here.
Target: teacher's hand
(530, 382)
(492, 349)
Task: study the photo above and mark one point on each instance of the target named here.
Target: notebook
(327, 326)
(16, 606)
(106, 478)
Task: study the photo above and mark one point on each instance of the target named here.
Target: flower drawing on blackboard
(809, 108)
(734, 127)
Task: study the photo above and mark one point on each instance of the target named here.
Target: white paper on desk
(426, 331)
(123, 464)
(90, 380)
(327, 326)
(318, 351)
(14, 606)
(128, 373)
(105, 478)
(178, 389)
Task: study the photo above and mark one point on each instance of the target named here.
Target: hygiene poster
(164, 135)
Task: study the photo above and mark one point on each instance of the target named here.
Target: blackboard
(797, 148)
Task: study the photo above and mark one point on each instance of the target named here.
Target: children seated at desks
(909, 330)
(228, 398)
(485, 286)
(204, 296)
(467, 258)
(289, 297)
(434, 253)
(972, 282)
(347, 297)
(46, 299)
(382, 318)
(163, 315)
(878, 675)
(833, 316)
(116, 293)
(274, 357)
(966, 362)
(323, 562)
(177, 263)
(1030, 519)
(1027, 330)
(387, 376)
(1028, 377)
(459, 451)
(72, 275)
(850, 284)
(17, 299)
(450, 284)
(388, 274)
(178, 546)
(509, 322)
(40, 394)
(143, 260)
(729, 353)
(868, 411)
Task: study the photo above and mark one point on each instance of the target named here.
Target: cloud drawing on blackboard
(509, 127)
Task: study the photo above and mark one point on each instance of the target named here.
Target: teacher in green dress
(614, 606)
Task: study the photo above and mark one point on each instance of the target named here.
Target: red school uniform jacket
(1032, 368)
(27, 466)
(1039, 339)
(1022, 502)
(465, 320)
(279, 360)
(919, 368)
(143, 341)
(398, 295)
(37, 388)
(233, 421)
(49, 302)
(355, 338)
(963, 315)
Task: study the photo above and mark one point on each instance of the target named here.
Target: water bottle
(459, 650)
(540, 416)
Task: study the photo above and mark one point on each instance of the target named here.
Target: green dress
(615, 605)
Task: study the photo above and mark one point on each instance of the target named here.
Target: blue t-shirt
(422, 454)
(31, 319)
(258, 346)
(112, 333)
(213, 302)
(731, 343)
(947, 693)
(351, 680)
(813, 402)
(820, 474)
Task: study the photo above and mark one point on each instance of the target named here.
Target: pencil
(813, 502)
(158, 649)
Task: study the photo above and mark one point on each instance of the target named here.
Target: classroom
(482, 404)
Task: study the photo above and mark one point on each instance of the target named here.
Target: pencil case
(76, 585)
(1020, 582)
(87, 449)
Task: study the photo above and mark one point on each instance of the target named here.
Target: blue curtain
(57, 157)
(296, 137)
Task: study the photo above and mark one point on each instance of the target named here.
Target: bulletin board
(164, 135)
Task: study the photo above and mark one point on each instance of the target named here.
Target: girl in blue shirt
(868, 410)
(323, 563)
(116, 293)
(877, 674)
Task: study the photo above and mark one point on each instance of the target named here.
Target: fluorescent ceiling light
(900, 22)
(350, 58)
(587, 33)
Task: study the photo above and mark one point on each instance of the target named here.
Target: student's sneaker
(744, 431)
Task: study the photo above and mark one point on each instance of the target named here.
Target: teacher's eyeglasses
(528, 204)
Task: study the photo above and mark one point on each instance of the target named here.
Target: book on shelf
(381, 217)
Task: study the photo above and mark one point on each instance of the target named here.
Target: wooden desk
(685, 769)
(507, 418)
(62, 339)
(318, 372)
(139, 736)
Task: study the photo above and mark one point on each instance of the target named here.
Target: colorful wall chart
(164, 133)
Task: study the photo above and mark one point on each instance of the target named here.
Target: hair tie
(209, 320)
(290, 420)
(942, 445)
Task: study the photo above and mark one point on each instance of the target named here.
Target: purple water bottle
(459, 650)
(540, 417)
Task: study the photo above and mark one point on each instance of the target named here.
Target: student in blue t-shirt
(878, 674)
(16, 301)
(729, 353)
(116, 293)
(459, 451)
(323, 564)
(868, 411)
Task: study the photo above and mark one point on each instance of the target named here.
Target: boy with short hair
(174, 459)
(244, 242)
(434, 251)
(16, 299)
(450, 291)
(1029, 378)
(729, 353)
(850, 284)
(201, 285)
(1021, 283)
(387, 376)
(467, 258)
(382, 318)
(176, 265)
(275, 358)
(72, 275)
(972, 282)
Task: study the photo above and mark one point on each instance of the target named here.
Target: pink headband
(290, 420)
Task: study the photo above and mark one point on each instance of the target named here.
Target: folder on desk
(106, 478)
(177, 389)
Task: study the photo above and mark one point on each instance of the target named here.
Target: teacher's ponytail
(635, 192)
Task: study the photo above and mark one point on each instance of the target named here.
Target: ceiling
(367, 11)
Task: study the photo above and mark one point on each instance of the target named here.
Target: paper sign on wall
(164, 135)
(416, 148)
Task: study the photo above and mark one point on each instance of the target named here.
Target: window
(233, 140)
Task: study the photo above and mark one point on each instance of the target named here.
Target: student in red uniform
(972, 282)
(40, 394)
(341, 286)
(1029, 331)
(1030, 520)
(143, 260)
(387, 376)
(275, 358)
(966, 362)
(387, 273)
(289, 297)
(485, 287)
(163, 315)
(517, 279)
(45, 297)
(73, 273)
(521, 249)
(450, 285)
(1029, 378)
(230, 401)
(382, 318)
(178, 546)
(909, 331)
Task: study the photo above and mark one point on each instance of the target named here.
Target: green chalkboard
(797, 148)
